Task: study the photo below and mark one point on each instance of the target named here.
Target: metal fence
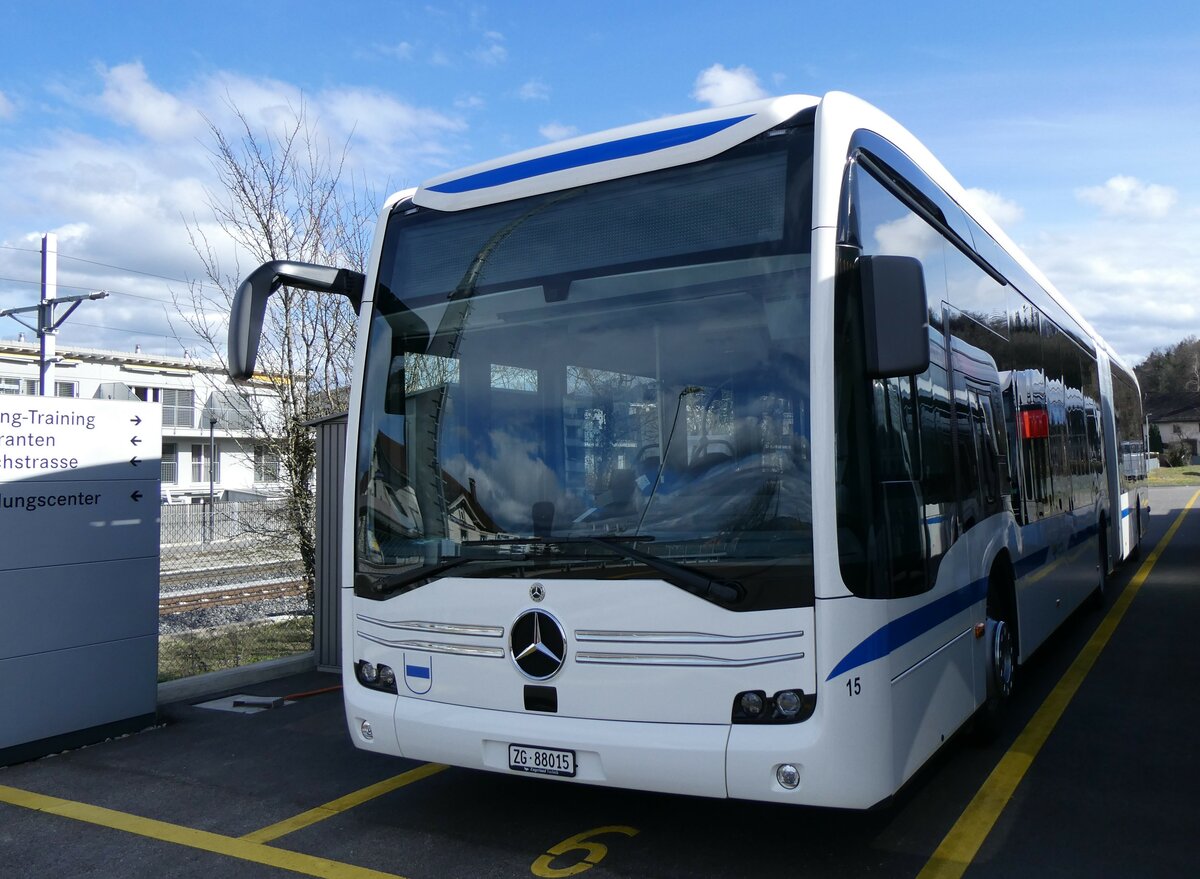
(232, 588)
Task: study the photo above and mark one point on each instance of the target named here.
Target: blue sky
(1079, 123)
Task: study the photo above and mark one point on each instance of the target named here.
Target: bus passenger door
(982, 486)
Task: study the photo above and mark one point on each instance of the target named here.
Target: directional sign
(72, 486)
(47, 438)
(79, 511)
(65, 523)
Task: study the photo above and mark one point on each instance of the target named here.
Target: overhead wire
(223, 318)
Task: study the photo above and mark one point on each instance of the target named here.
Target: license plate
(544, 761)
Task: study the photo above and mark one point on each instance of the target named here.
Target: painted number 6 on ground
(594, 852)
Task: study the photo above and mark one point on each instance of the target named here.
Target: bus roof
(619, 152)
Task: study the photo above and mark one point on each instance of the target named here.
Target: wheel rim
(1002, 658)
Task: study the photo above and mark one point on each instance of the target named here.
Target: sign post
(79, 511)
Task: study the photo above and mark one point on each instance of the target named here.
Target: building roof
(32, 350)
(1180, 406)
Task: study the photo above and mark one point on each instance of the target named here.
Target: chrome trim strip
(680, 637)
(437, 628)
(682, 661)
(916, 665)
(438, 647)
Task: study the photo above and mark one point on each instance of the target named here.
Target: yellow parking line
(962, 843)
(307, 865)
(341, 804)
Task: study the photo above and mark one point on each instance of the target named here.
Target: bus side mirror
(895, 315)
(250, 303)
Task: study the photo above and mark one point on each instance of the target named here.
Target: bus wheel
(1001, 661)
(1101, 568)
(1136, 553)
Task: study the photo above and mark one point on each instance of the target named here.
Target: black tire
(1136, 552)
(1101, 568)
(1001, 638)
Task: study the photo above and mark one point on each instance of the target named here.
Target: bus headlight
(788, 703)
(367, 673)
(750, 704)
(786, 706)
(376, 677)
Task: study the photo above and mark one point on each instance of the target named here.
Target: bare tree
(282, 194)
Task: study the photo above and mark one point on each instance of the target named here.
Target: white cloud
(557, 131)
(386, 131)
(718, 86)
(7, 109)
(1123, 196)
(909, 235)
(1114, 274)
(123, 199)
(131, 99)
(469, 102)
(401, 51)
(534, 90)
(493, 51)
(1004, 211)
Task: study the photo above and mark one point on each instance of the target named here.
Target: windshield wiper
(412, 577)
(687, 579)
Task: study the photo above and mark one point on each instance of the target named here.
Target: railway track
(199, 572)
(234, 595)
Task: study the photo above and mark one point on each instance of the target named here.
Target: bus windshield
(595, 380)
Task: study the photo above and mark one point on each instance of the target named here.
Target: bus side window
(892, 524)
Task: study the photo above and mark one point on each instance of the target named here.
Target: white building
(205, 417)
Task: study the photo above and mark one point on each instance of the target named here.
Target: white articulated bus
(733, 454)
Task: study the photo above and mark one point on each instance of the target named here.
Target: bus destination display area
(1101, 729)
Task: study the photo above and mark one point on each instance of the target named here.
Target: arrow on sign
(137, 419)
(135, 460)
(137, 495)
(135, 440)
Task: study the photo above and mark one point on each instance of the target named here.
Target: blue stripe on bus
(589, 155)
(1026, 566)
(1125, 513)
(1083, 535)
(913, 625)
(416, 671)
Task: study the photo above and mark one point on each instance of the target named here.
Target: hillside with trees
(1171, 370)
(1170, 380)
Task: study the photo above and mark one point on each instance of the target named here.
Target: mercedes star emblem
(537, 592)
(538, 645)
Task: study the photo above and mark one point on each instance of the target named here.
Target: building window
(10, 385)
(65, 389)
(266, 464)
(170, 463)
(201, 458)
(178, 408)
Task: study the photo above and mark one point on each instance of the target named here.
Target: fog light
(387, 677)
(365, 729)
(789, 703)
(752, 704)
(788, 776)
(367, 672)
